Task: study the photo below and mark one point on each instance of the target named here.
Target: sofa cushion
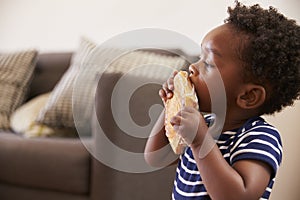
(23, 120)
(12, 192)
(58, 109)
(53, 164)
(16, 70)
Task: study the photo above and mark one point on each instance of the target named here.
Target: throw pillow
(16, 71)
(141, 58)
(58, 109)
(23, 120)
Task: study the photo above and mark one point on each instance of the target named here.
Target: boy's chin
(204, 107)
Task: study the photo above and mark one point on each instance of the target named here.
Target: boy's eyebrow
(214, 51)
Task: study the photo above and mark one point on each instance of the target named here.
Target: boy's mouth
(198, 102)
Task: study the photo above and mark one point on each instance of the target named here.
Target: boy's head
(270, 53)
(257, 54)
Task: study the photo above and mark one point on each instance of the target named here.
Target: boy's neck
(237, 120)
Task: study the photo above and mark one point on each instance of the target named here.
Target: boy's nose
(193, 70)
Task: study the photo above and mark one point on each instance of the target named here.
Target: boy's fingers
(162, 94)
(174, 73)
(175, 120)
(165, 96)
(171, 84)
(165, 87)
(169, 95)
(167, 91)
(188, 109)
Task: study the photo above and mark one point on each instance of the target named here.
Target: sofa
(63, 168)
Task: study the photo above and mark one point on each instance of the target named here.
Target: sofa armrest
(108, 183)
(53, 164)
(115, 184)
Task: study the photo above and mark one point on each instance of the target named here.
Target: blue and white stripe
(255, 140)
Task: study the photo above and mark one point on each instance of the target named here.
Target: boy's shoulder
(258, 134)
(257, 124)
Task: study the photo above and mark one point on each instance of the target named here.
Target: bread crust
(183, 95)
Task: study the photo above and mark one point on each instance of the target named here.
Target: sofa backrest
(49, 69)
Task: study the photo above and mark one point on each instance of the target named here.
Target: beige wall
(51, 25)
(288, 180)
(56, 25)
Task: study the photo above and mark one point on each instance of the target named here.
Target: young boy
(257, 54)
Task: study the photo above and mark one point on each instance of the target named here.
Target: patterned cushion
(16, 71)
(134, 68)
(141, 61)
(58, 109)
(23, 120)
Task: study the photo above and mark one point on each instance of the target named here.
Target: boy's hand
(190, 125)
(167, 88)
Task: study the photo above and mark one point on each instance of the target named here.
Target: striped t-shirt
(256, 139)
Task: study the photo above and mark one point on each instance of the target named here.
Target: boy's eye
(207, 65)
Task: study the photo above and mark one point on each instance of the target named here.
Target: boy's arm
(247, 179)
(158, 152)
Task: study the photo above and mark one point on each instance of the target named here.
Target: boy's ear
(252, 96)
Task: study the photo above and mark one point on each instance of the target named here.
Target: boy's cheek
(204, 100)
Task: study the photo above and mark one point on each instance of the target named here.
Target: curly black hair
(271, 52)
